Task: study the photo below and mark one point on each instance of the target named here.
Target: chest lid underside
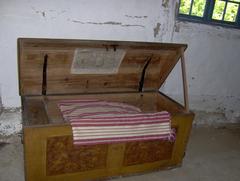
(60, 66)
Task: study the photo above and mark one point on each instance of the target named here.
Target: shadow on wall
(1, 105)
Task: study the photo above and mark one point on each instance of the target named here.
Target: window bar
(207, 11)
(190, 11)
(211, 4)
(238, 16)
(233, 1)
(224, 11)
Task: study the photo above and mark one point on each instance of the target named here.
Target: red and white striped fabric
(91, 108)
(101, 122)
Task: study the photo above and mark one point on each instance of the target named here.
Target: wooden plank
(60, 53)
(73, 43)
(183, 124)
(34, 112)
(184, 78)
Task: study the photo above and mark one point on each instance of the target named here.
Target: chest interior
(129, 72)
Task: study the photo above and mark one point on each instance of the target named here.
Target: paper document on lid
(97, 61)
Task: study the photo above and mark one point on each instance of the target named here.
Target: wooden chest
(47, 75)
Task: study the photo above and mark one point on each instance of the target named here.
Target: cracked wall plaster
(114, 23)
(138, 17)
(165, 3)
(156, 30)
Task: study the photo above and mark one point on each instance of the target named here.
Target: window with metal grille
(219, 12)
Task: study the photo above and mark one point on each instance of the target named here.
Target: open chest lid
(60, 66)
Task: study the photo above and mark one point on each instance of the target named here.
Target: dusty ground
(212, 154)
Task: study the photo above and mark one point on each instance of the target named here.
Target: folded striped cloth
(91, 108)
(101, 122)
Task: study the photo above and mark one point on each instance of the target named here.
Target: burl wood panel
(147, 152)
(64, 157)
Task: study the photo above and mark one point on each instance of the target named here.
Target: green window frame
(216, 12)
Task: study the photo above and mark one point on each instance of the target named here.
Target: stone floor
(212, 154)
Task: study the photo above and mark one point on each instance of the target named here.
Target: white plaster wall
(212, 56)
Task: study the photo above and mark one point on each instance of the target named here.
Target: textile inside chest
(100, 122)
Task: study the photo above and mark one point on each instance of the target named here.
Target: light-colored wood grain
(35, 139)
(37, 134)
(43, 122)
(184, 78)
(60, 55)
